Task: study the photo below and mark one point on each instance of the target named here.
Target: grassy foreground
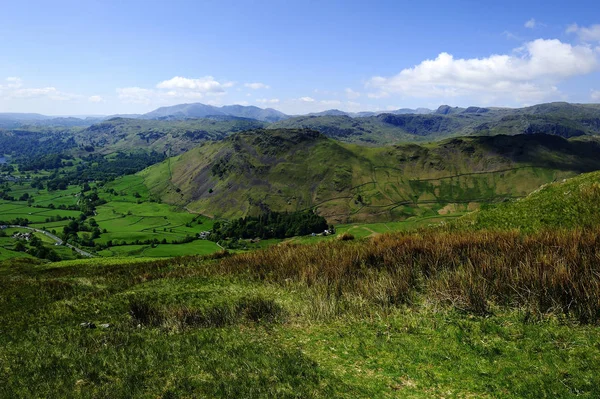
(423, 315)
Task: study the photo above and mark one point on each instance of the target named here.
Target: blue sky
(106, 57)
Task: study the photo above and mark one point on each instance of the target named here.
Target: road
(55, 238)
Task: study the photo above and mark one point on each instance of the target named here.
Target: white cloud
(595, 95)
(175, 90)
(95, 99)
(256, 86)
(530, 24)
(587, 34)
(351, 94)
(530, 73)
(307, 99)
(14, 82)
(207, 84)
(268, 100)
(14, 89)
(44, 92)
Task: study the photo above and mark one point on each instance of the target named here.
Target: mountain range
(412, 125)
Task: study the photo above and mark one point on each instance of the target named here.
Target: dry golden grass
(548, 272)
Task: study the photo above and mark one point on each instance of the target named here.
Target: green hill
(290, 170)
(570, 203)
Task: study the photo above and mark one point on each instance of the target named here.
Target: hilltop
(290, 170)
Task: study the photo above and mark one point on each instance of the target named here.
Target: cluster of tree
(153, 241)
(37, 249)
(56, 218)
(270, 225)
(56, 182)
(16, 221)
(97, 167)
(7, 168)
(24, 145)
(4, 194)
(46, 162)
(89, 201)
(82, 224)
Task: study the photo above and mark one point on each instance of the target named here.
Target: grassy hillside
(289, 170)
(561, 119)
(571, 203)
(424, 315)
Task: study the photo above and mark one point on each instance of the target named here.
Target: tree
(20, 247)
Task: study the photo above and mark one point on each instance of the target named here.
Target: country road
(55, 238)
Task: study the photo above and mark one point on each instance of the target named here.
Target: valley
(336, 264)
(299, 200)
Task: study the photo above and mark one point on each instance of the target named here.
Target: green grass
(10, 210)
(182, 328)
(199, 247)
(571, 203)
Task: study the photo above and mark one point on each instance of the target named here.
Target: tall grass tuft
(151, 313)
(546, 272)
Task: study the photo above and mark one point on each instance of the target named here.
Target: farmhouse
(22, 236)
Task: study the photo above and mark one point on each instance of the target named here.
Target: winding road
(55, 238)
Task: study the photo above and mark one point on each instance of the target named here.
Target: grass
(199, 247)
(418, 315)
(570, 203)
(10, 210)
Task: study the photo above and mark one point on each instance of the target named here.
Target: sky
(119, 57)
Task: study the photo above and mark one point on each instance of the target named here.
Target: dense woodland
(271, 225)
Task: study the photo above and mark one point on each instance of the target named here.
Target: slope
(289, 170)
(570, 203)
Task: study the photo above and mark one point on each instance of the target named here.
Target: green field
(15, 209)
(199, 247)
(129, 217)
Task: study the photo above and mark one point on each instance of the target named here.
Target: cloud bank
(530, 73)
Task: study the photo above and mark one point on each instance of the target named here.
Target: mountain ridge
(288, 170)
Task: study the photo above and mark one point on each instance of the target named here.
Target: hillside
(289, 170)
(570, 203)
(420, 315)
(561, 119)
(174, 135)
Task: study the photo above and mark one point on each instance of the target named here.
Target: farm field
(130, 222)
(19, 209)
(198, 247)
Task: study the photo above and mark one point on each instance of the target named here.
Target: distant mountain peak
(199, 110)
